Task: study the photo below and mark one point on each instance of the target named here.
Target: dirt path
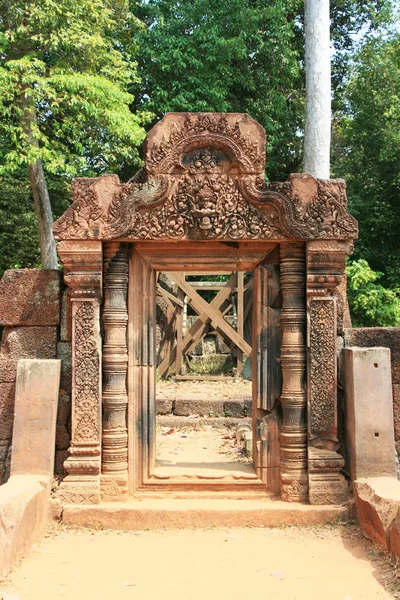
(226, 389)
(201, 451)
(320, 563)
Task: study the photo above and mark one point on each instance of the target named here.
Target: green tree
(64, 72)
(241, 56)
(367, 153)
(371, 304)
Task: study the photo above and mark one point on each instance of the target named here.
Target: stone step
(182, 513)
(177, 422)
(203, 407)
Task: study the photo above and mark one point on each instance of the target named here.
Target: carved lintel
(83, 273)
(115, 364)
(204, 179)
(294, 486)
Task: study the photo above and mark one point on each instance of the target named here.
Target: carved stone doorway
(203, 184)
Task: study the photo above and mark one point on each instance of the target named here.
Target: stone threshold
(183, 513)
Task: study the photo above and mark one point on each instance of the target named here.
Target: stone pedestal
(369, 412)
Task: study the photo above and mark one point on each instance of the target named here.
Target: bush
(371, 304)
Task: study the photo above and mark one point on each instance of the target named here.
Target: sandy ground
(203, 451)
(319, 563)
(226, 389)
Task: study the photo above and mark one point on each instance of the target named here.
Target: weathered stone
(369, 412)
(62, 438)
(396, 413)
(25, 342)
(60, 458)
(7, 393)
(64, 408)
(5, 460)
(209, 345)
(55, 509)
(385, 337)
(66, 317)
(24, 515)
(394, 536)
(30, 297)
(377, 504)
(64, 353)
(236, 408)
(185, 408)
(164, 407)
(36, 396)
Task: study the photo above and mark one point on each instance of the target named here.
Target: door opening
(202, 412)
(203, 385)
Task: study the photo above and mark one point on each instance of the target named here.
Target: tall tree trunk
(317, 135)
(48, 252)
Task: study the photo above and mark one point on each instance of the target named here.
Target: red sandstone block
(394, 536)
(396, 411)
(64, 353)
(30, 297)
(66, 316)
(64, 408)
(25, 342)
(7, 397)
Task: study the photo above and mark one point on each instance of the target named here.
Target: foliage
(367, 153)
(18, 223)
(241, 56)
(371, 304)
(64, 59)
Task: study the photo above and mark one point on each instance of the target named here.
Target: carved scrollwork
(86, 375)
(322, 365)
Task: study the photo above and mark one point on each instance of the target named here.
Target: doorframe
(142, 379)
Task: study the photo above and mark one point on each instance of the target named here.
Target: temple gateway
(201, 203)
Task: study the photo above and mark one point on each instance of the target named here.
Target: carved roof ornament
(204, 179)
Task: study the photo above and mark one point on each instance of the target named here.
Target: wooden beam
(240, 321)
(218, 321)
(167, 295)
(179, 326)
(198, 329)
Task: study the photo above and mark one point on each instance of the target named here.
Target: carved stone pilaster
(326, 274)
(114, 479)
(83, 274)
(293, 361)
(326, 305)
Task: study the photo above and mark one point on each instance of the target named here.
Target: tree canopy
(367, 153)
(81, 81)
(66, 60)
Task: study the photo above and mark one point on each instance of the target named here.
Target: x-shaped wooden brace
(207, 312)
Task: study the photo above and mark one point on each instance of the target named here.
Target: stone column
(114, 479)
(326, 305)
(83, 274)
(293, 361)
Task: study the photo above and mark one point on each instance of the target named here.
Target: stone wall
(386, 337)
(33, 326)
